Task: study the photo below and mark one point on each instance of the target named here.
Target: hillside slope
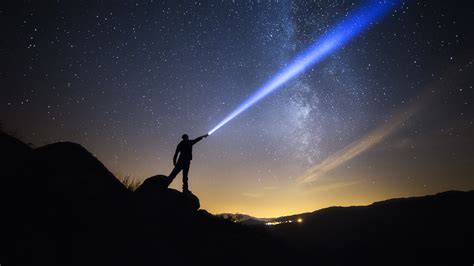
(436, 229)
(61, 206)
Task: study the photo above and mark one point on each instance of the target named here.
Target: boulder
(155, 196)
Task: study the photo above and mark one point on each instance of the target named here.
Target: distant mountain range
(308, 216)
(61, 206)
(242, 218)
(427, 230)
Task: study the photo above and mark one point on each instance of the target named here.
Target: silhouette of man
(185, 151)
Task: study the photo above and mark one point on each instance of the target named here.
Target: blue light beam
(342, 33)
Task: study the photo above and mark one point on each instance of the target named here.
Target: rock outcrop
(155, 196)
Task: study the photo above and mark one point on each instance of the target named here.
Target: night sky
(388, 115)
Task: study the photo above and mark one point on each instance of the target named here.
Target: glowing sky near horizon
(126, 79)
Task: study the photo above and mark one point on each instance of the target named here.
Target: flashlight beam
(320, 49)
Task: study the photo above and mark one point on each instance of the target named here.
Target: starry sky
(388, 115)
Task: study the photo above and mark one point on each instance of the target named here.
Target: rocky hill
(61, 206)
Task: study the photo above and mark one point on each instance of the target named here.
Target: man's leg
(185, 176)
(178, 167)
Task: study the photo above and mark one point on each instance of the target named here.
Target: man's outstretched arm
(196, 140)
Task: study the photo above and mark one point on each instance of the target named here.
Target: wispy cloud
(252, 195)
(270, 188)
(359, 146)
(333, 186)
(451, 76)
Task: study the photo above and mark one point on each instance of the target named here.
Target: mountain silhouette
(62, 206)
(244, 218)
(427, 230)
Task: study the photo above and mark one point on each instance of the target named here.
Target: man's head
(185, 137)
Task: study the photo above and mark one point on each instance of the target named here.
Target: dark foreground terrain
(61, 206)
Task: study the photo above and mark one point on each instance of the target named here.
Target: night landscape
(237, 133)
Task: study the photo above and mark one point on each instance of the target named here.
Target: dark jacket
(185, 149)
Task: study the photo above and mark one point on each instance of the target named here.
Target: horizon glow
(341, 34)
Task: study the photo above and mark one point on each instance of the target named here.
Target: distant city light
(278, 222)
(299, 220)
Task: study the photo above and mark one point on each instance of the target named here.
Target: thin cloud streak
(389, 126)
(252, 195)
(359, 146)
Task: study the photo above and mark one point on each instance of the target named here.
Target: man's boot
(185, 185)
